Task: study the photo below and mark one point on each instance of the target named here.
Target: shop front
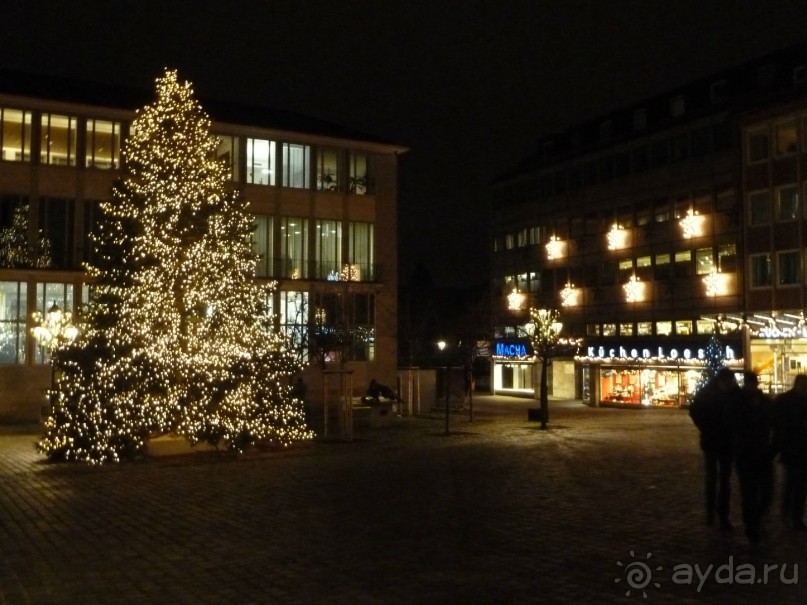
(513, 367)
(647, 374)
(777, 355)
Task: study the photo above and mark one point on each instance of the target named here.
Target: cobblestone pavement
(604, 507)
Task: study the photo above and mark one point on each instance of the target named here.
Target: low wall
(23, 393)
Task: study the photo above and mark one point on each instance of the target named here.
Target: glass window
(609, 329)
(786, 138)
(626, 329)
(683, 263)
(363, 327)
(360, 252)
(593, 329)
(296, 165)
(644, 328)
(228, 153)
(789, 267)
(261, 162)
(683, 327)
(704, 261)
(294, 247)
(48, 295)
(758, 145)
(761, 274)
(58, 140)
(787, 203)
(262, 245)
(359, 177)
(727, 258)
(13, 305)
(294, 315)
(327, 170)
(57, 219)
(15, 135)
(759, 208)
(705, 326)
(662, 266)
(329, 251)
(103, 144)
(663, 328)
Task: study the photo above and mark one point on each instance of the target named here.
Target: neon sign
(511, 349)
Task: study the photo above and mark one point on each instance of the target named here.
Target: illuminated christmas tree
(177, 337)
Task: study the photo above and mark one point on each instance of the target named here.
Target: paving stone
(497, 511)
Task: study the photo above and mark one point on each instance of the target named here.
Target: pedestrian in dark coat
(709, 413)
(790, 438)
(750, 421)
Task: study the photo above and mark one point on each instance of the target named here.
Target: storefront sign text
(782, 332)
(656, 353)
(511, 349)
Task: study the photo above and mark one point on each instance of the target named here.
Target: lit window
(327, 170)
(294, 247)
(704, 261)
(227, 154)
(261, 162)
(663, 328)
(296, 165)
(329, 249)
(360, 250)
(359, 174)
(626, 329)
(609, 329)
(644, 328)
(262, 239)
(12, 321)
(103, 144)
(683, 327)
(15, 135)
(58, 140)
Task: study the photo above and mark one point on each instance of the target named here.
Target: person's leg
(724, 465)
(799, 493)
(710, 484)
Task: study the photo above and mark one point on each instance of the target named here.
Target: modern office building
(657, 227)
(323, 198)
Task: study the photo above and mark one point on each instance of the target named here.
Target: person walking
(709, 412)
(750, 423)
(790, 438)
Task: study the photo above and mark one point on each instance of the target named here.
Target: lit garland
(176, 338)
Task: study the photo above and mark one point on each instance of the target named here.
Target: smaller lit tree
(545, 338)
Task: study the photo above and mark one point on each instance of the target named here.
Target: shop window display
(661, 387)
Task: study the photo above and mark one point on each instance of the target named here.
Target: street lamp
(545, 336)
(441, 345)
(53, 329)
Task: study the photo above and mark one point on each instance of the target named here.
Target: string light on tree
(177, 337)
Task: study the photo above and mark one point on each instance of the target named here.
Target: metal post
(448, 392)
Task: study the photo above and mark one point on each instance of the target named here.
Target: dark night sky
(468, 86)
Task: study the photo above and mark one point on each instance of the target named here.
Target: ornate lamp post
(53, 329)
(545, 337)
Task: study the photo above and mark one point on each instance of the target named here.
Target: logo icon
(638, 574)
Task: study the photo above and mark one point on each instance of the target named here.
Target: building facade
(658, 227)
(324, 200)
